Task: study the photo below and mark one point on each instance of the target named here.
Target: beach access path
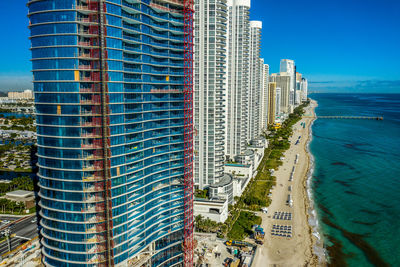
(297, 250)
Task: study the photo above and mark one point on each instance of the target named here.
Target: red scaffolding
(96, 130)
(188, 133)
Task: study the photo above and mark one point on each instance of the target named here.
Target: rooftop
(20, 193)
(247, 152)
(225, 180)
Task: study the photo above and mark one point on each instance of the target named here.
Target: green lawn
(243, 225)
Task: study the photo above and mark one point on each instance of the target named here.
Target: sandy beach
(297, 250)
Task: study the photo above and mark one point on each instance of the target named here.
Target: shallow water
(356, 178)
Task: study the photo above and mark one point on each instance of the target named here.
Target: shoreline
(316, 258)
(317, 244)
(304, 246)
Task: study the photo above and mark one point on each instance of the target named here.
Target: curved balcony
(44, 253)
(84, 210)
(95, 249)
(160, 230)
(159, 211)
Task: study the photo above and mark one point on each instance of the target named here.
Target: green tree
(3, 204)
(12, 205)
(21, 206)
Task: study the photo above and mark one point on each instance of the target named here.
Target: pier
(348, 117)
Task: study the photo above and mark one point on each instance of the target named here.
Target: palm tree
(12, 205)
(21, 206)
(3, 204)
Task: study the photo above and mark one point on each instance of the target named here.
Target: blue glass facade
(108, 82)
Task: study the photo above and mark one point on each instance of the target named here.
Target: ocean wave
(319, 249)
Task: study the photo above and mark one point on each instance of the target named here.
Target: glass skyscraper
(114, 136)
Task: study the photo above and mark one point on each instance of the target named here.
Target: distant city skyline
(341, 46)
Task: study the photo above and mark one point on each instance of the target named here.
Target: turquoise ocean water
(356, 178)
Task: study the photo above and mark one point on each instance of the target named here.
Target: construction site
(212, 251)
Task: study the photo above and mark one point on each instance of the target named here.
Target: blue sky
(14, 46)
(343, 43)
(339, 45)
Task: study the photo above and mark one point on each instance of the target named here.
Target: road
(9, 218)
(24, 230)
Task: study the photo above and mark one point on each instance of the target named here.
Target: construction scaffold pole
(188, 133)
(105, 123)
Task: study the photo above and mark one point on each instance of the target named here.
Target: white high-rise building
(297, 100)
(297, 94)
(271, 102)
(254, 101)
(210, 36)
(264, 96)
(288, 66)
(278, 101)
(238, 77)
(304, 89)
(282, 81)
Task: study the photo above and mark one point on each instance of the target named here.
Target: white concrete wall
(237, 188)
(203, 209)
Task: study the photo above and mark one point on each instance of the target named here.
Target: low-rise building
(242, 174)
(247, 157)
(223, 189)
(259, 142)
(213, 209)
(239, 170)
(239, 185)
(27, 94)
(27, 197)
(258, 146)
(244, 169)
(6, 100)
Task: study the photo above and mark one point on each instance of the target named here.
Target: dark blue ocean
(356, 180)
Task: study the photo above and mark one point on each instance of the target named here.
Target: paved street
(8, 218)
(24, 231)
